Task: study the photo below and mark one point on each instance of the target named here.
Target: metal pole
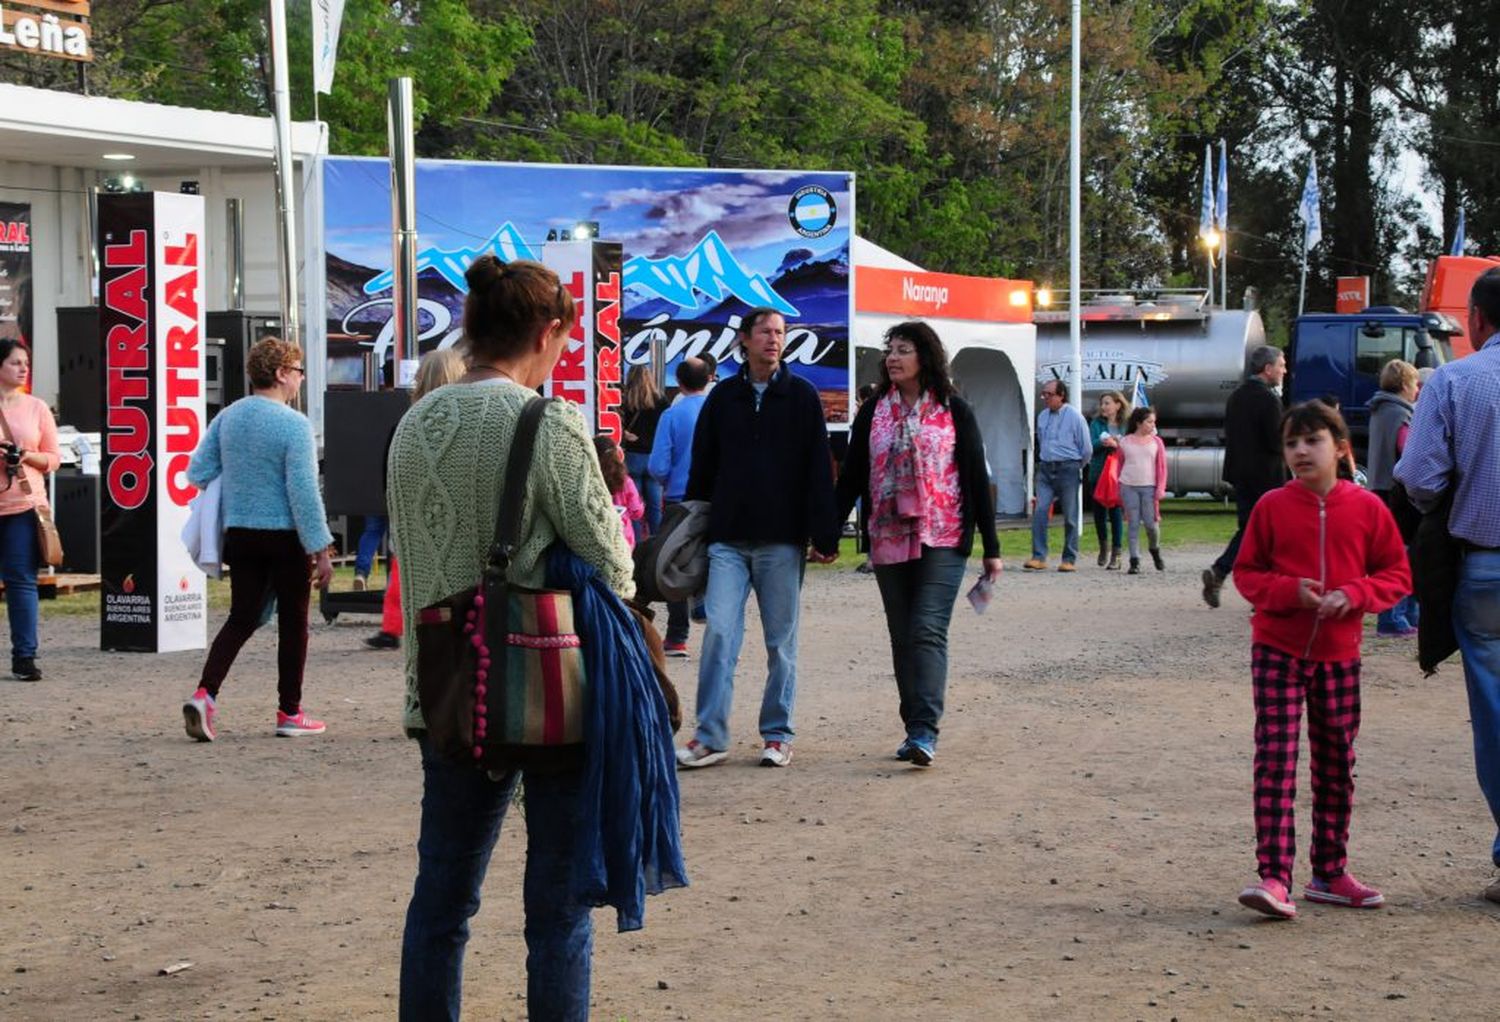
(1075, 214)
(1208, 250)
(1224, 232)
(401, 136)
(1302, 292)
(234, 216)
(286, 194)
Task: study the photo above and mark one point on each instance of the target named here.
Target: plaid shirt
(1438, 454)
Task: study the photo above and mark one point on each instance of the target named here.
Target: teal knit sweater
(445, 468)
(266, 454)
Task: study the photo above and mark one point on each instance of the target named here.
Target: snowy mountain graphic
(709, 269)
(506, 243)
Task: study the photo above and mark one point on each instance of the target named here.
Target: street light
(1210, 240)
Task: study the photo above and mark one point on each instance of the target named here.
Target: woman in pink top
(1143, 481)
(917, 459)
(30, 453)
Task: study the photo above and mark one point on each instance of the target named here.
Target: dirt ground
(1074, 853)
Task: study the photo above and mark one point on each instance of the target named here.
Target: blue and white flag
(1312, 219)
(1206, 207)
(1458, 235)
(1221, 199)
(1138, 397)
(327, 18)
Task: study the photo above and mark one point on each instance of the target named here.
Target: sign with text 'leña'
(49, 28)
(1352, 295)
(151, 327)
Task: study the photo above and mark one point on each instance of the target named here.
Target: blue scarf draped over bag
(630, 840)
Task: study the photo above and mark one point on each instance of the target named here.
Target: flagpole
(1075, 231)
(286, 201)
(1208, 249)
(1302, 292)
(1223, 227)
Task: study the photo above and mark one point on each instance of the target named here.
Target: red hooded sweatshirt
(1346, 540)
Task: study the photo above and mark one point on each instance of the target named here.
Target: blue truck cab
(1342, 355)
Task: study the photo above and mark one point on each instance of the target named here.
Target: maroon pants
(1331, 691)
(262, 563)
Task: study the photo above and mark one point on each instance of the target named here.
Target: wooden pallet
(63, 585)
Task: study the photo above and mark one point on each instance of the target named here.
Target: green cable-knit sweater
(445, 469)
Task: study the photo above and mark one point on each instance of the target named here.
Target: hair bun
(484, 272)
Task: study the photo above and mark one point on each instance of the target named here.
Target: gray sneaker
(1212, 583)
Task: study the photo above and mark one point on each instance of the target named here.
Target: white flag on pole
(1311, 217)
(327, 16)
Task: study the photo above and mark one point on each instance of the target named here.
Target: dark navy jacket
(767, 473)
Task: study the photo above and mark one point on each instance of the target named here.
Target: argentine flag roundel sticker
(812, 211)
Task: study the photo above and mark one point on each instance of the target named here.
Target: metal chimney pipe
(234, 216)
(401, 132)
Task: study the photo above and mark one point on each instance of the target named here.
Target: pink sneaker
(198, 716)
(1343, 890)
(291, 725)
(1271, 897)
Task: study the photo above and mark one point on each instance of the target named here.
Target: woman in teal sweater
(276, 534)
(1106, 428)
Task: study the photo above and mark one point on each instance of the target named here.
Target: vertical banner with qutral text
(151, 326)
(15, 272)
(590, 370)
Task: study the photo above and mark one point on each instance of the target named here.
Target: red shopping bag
(1107, 489)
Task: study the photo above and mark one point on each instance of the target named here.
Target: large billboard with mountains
(700, 248)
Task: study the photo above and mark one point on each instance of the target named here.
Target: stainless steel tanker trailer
(1188, 355)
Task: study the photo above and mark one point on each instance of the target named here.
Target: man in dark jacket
(1252, 452)
(761, 458)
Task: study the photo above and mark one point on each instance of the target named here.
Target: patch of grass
(1185, 522)
(87, 604)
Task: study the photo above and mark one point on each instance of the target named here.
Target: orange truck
(1449, 279)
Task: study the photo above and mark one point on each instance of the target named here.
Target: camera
(12, 459)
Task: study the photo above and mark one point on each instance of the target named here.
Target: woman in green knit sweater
(446, 465)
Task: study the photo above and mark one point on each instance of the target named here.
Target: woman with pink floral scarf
(917, 459)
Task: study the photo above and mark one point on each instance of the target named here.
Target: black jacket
(767, 473)
(1252, 437)
(973, 473)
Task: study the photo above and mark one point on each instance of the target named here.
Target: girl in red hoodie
(1318, 554)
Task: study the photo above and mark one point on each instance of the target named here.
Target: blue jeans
(918, 597)
(650, 490)
(774, 571)
(1057, 480)
(18, 565)
(461, 814)
(1476, 624)
(1402, 616)
(369, 544)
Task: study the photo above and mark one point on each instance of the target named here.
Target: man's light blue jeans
(1476, 625)
(1058, 480)
(774, 571)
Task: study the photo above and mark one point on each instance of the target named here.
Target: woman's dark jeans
(650, 490)
(1115, 517)
(18, 566)
(462, 809)
(918, 597)
(262, 563)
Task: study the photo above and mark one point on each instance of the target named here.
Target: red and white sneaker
(198, 716)
(1343, 890)
(291, 725)
(1271, 897)
(776, 754)
(695, 754)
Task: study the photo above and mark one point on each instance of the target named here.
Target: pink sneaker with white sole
(292, 725)
(1343, 890)
(198, 716)
(1271, 897)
